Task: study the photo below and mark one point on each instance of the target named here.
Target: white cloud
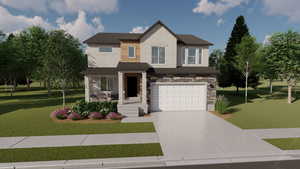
(267, 40)
(220, 21)
(289, 8)
(139, 29)
(34, 5)
(218, 7)
(80, 28)
(14, 23)
(64, 6)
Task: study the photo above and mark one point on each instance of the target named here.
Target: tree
(31, 48)
(215, 57)
(268, 67)
(10, 70)
(285, 52)
(65, 59)
(229, 75)
(246, 59)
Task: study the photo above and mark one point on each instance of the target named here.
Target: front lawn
(27, 114)
(285, 143)
(263, 110)
(79, 152)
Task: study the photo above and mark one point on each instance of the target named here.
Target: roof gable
(158, 23)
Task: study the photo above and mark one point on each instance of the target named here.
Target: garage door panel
(165, 97)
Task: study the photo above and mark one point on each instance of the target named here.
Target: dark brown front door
(132, 88)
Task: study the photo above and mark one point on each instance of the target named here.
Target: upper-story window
(131, 51)
(105, 49)
(192, 56)
(158, 55)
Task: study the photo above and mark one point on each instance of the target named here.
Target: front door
(132, 86)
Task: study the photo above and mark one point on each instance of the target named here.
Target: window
(105, 49)
(158, 55)
(106, 83)
(131, 51)
(192, 56)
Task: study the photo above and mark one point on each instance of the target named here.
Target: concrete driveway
(192, 135)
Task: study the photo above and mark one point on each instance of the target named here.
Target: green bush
(84, 108)
(222, 104)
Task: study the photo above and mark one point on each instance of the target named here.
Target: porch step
(129, 110)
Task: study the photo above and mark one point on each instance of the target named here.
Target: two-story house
(157, 70)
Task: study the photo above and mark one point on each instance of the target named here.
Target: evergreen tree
(229, 75)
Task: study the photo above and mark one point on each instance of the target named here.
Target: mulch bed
(223, 116)
(85, 121)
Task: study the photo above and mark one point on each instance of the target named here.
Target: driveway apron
(200, 135)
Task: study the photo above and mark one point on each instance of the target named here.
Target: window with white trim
(131, 51)
(192, 56)
(105, 83)
(158, 55)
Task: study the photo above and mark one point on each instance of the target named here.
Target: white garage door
(167, 97)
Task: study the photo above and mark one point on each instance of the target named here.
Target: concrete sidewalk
(77, 140)
(274, 133)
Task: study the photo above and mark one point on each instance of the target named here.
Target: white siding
(204, 57)
(160, 37)
(103, 59)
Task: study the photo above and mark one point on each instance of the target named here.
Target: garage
(178, 96)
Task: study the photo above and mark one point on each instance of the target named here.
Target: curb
(135, 162)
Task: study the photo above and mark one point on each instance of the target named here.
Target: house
(157, 70)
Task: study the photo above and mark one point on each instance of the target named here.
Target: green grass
(27, 113)
(285, 143)
(79, 152)
(263, 110)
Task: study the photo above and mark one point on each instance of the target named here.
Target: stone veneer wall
(211, 87)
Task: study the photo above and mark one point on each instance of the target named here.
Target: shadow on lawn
(36, 101)
(279, 92)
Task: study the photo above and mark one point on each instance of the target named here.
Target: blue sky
(209, 19)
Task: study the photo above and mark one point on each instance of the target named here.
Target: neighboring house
(157, 70)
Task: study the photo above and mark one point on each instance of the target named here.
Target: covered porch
(132, 86)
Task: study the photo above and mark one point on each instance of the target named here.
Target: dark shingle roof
(132, 66)
(115, 38)
(135, 66)
(185, 70)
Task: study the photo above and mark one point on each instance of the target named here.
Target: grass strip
(285, 143)
(79, 152)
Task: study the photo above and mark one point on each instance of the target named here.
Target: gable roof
(156, 24)
(116, 38)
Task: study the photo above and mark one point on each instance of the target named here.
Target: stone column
(144, 88)
(121, 87)
(87, 88)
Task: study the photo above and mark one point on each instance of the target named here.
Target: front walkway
(77, 140)
(275, 133)
(198, 135)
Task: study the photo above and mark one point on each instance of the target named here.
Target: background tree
(246, 60)
(31, 48)
(9, 63)
(268, 66)
(229, 75)
(285, 52)
(215, 57)
(65, 59)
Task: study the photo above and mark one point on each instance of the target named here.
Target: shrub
(114, 116)
(84, 108)
(96, 115)
(74, 116)
(222, 104)
(61, 113)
